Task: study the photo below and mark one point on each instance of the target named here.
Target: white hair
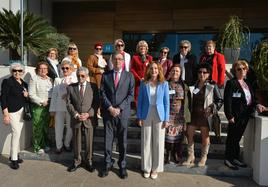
(16, 64)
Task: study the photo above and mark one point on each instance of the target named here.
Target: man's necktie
(116, 79)
(81, 90)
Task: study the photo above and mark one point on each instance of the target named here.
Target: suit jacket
(162, 101)
(235, 105)
(121, 97)
(51, 71)
(218, 67)
(190, 68)
(88, 104)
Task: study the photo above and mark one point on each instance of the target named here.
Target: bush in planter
(232, 35)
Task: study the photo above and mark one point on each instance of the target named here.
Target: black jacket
(12, 94)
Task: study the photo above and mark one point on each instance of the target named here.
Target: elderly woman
(179, 115)
(13, 97)
(119, 48)
(73, 56)
(206, 99)
(52, 60)
(216, 61)
(40, 89)
(139, 64)
(153, 117)
(187, 61)
(165, 61)
(239, 104)
(58, 107)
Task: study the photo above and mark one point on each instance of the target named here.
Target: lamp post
(21, 31)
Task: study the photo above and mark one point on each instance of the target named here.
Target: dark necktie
(116, 79)
(81, 90)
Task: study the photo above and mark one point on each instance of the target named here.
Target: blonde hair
(53, 49)
(239, 63)
(141, 43)
(161, 77)
(211, 42)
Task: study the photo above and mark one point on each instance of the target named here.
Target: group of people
(172, 98)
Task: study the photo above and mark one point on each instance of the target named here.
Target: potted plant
(260, 67)
(35, 33)
(231, 37)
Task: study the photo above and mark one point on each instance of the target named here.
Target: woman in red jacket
(139, 63)
(216, 61)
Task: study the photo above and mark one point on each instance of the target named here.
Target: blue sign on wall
(108, 48)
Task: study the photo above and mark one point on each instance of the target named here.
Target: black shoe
(14, 164)
(19, 160)
(68, 149)
(58, 151)
(230, 165)
(239, 163)
(123, 173)
(89, 167)
(73, 168)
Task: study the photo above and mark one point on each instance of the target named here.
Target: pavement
(34, 173)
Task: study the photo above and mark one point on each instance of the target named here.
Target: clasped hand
(83, 116)
(114, 111)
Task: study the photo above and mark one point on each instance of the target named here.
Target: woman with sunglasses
(14, 95)
(96, 65)
(119, 45)
(58, 107)
(187, 61)
(206, 99)
(40, 90)
(165, 61)
(73, 56)
(239, 104)
(217, 62)
(52, 60)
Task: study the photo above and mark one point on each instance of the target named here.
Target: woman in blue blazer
(153, 117)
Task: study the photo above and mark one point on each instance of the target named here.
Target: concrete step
(214, 167)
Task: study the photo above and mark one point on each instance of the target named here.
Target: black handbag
(27, 113)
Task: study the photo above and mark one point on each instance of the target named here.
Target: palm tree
(35, 31)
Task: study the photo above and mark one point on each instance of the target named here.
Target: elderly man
(82, 103)
(117, 89)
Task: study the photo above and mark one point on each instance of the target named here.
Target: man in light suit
(117, 90)
(82, 103)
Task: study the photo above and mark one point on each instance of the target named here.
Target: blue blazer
(162, 101)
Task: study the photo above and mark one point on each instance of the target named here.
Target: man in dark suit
(117, 90)
(82, 103)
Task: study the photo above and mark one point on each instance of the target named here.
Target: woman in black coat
(13, 97)
(239, 104)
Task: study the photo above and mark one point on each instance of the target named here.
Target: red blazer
(138, 70)
(218, 67)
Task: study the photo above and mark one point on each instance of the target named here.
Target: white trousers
(152, 143)
(16, 122)
(62, 119)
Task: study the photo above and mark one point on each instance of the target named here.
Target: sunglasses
(17, 70)
(72, 48)
(202, 72)
(82, 76)
(164, 52)
(65, 68)
(183, 47)
(98, 49)
(120, 45)
(240, 69)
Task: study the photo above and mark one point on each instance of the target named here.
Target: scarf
(101, 61)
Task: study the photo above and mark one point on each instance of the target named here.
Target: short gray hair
(186, 42)
(16, 64)
(82, 69)
(142, 43)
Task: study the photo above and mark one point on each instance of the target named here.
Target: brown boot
(190, 158)
(204, 153)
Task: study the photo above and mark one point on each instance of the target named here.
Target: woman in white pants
(153, 117)
(13, 97)
(58, 107)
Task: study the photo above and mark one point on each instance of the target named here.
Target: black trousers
(235, 132)
(115, 127)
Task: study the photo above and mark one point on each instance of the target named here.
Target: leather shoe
(89, 167)
(239, 163)
(19, 160)
(230, 164)
(73, 168)
(68, 149)
(14, 164)
(123, 173)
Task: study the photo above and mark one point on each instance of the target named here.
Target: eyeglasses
(202, 72)
(120, 45)
(82, 76)
(17, 70)
(183, 47)
(240, 69)
(164, 52)
(65, 68)
(72, 48)
(98, 49)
